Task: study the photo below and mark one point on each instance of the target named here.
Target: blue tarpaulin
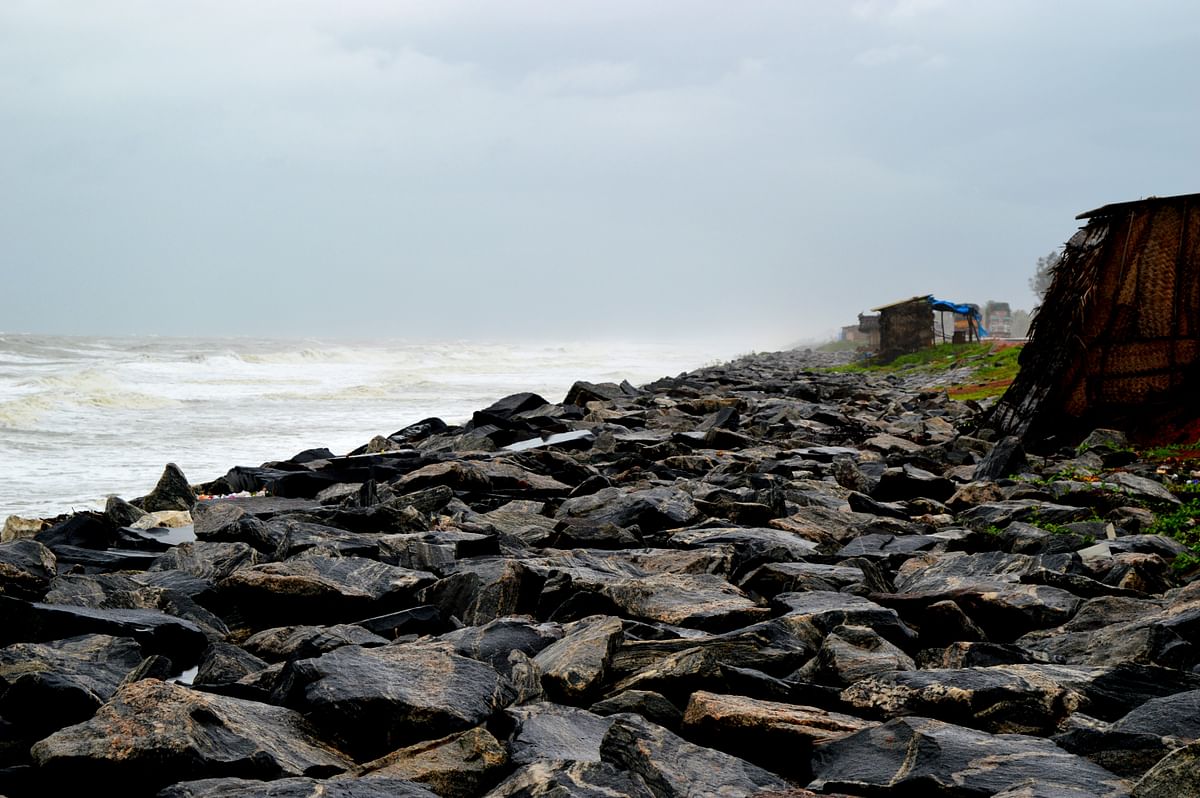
(969, 311)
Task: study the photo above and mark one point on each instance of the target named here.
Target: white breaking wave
(82, 418)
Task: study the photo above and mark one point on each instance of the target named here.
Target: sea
(85, 418)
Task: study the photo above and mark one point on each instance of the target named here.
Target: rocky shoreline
(759, 578)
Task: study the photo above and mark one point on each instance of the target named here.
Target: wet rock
(231, 522)
(652, 706)
(373, 700)
(700, 601)
(1175, 715)
(986, 587)
(483, 476)
(851, 653)
(754, 546)
(224, 664)
(583, 533)
(484, 590)
(1005, 458)
(1002, 513)
(909, 482)
(784, 577)
(651, 510)
(338, 787)
(321, 589)
(576, 666)
(457, 766)
(425, 619)
(672, 766)
(545, 731)
(299, 642)
(119, 512)
(45, 686)
(207, 560)
(1110, 630)
(975, 655)
(437, 552)
(153, 733)
(171, 493)
(1006, 699)
(827, 611)
(26, 568)
(494, 641)
(114, 591)
(157, 632)
(574, 779)
(1176, 775)
(919, 755)
(775, 735)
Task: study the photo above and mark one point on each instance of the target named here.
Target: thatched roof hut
(904, 327)
(1116, 341)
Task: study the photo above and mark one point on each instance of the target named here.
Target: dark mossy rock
(284, 643)
(828, 610)
(171, 493)
(153, 733)
(320, 589)
(778, 736)
(851, 653)
(224, 663)
(45, 686)
(372, 786)
(461, 765)
(652, 706)
(561, 779)
(651, 510)
(208, 560)
(494, 641)
(485, 589)
(576, 666)
(671, 765)
(1012, 699)
(371, 701)
(157, 632)
(1174, 776)
(545, 731)
(920, 756)
(26, 568)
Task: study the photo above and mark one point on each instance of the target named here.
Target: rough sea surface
(82, 418)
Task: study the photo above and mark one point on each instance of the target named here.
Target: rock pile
(753, 579)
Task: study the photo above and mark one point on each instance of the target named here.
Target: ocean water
(83, 418)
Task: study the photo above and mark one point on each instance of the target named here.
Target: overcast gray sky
(565, 169)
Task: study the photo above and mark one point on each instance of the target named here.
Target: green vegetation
(1174, 450)
(995, 367)
(1183, 524)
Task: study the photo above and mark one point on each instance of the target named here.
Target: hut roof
(923, 298)
(1108, 210)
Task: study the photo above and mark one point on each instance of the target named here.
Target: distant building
(905, 326)
(865, 334)
(997, 318)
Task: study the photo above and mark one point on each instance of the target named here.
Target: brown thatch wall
(1116, 341)
(905, 327)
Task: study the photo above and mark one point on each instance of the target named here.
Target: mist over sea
(82, 418)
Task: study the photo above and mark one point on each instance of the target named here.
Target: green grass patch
(1183, 524)
(995, 367)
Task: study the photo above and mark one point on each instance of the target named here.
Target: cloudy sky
(541, 168)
